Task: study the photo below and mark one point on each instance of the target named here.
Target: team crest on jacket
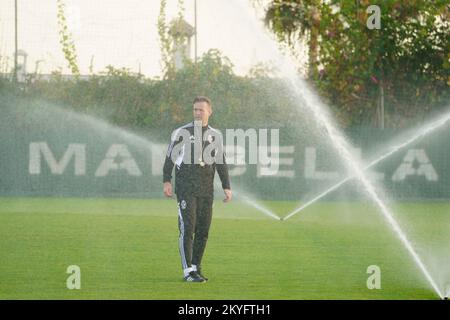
(183, 204)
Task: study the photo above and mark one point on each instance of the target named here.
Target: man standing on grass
(197, 151)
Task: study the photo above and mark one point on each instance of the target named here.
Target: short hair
(202, 99)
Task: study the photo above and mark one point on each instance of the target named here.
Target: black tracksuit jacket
(193, 179)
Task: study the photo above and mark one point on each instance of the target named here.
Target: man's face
(202, 112)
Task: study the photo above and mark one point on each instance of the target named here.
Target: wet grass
(128, 249)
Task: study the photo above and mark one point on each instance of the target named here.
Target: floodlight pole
(195, 29)
(15, 41)
(381, 104)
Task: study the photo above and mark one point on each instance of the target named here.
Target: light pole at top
(195, 28)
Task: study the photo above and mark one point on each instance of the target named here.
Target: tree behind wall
(66, 40)
(408, 56)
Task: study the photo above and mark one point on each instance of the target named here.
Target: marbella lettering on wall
(41, 151)
(118, 158)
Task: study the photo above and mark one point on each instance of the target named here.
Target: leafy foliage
(66, 41)
(129, 100)
(408, 56)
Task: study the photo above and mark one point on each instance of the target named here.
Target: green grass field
(128, 249)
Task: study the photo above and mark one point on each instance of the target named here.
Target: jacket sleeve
(168, 163)
(222, 170)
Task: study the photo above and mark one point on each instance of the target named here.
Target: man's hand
(168, 189)
(228, 195)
